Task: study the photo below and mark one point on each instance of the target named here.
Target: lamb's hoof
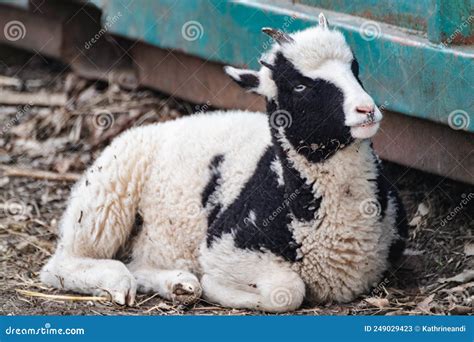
(186, 292)
(120, 290)
(125, 295)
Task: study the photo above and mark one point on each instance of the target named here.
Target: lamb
(249, 210)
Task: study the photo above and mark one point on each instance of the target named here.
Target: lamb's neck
(329, 249)
(310, 181)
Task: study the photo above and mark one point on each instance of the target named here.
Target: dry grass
(64, 139)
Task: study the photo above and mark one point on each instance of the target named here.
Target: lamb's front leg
(179, 286)
(98, 221)
(101, 277)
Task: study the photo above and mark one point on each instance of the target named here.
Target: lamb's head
(311, 76)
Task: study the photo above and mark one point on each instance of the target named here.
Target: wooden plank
(41, 98)
(37, 33)
(191, 78)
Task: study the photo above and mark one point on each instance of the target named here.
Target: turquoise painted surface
(404, 73)
(450, 21)
(439, 18)
(406, 13)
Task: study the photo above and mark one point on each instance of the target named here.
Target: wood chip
(219, 308)
(60, 297)
(463, 277)
(461, 310)
(161, 306)
(377, 302)
(425, 305)
(459, 288)
(469, 249)
(41, 98)
(421, 212)
(38, 174)
(146, 300)
(6, 81)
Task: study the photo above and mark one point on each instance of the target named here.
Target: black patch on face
(248, 81)
(317, 130)
(355, 71)
(271, 206)
(207, 199)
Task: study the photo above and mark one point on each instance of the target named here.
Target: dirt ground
(54, 121)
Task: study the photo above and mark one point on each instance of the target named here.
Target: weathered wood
(191, 78)
(426, 146)
(6, 81)
(41, 98)
(38, 174)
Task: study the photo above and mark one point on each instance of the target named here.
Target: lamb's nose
(367, 110)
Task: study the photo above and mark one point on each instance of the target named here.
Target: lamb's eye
(299, 88)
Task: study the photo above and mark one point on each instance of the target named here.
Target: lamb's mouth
(368, 123)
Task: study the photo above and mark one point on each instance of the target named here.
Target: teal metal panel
(411, 14)
(450, 22)
(404, 72)
(444, 20)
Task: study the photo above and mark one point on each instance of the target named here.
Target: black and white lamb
(250, 210)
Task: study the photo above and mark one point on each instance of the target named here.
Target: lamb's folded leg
(228, 295)
(98, 221)
(273, 292)
(178, 286)
(100, 277)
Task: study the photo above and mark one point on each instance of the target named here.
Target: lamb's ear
(247, 79)
(323, 22)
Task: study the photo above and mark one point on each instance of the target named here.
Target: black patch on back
(262, 195)
(317, 130)
(124, 253)
(384, 188)
(211, 217)
(305, 205)
(401, 222)
(385, 191)
(214, 182)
